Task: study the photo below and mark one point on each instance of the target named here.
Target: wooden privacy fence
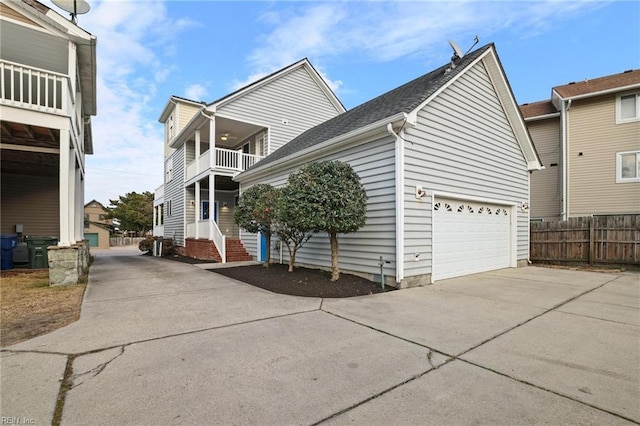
(613, 240)
(124, 241)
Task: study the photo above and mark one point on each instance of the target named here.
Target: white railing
(236, 160)
(34, 88)
(225, 159)
(209, 229)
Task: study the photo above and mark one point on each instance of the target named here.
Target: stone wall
(68, 265)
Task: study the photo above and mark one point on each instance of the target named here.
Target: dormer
(175, 116)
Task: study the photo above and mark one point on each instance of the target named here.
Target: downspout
(565, 159)
(399, 177)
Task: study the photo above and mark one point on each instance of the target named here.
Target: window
(169, 128)
(628, 108)
(168, 170)
(628, 167)
(168, 208)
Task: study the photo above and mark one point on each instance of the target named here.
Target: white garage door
(469, 237)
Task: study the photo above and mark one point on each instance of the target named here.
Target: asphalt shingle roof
(594, 85)
(536, 109)
(405, 99)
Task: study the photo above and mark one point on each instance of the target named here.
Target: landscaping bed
(302, 281)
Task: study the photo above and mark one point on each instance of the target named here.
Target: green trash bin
(37, 248)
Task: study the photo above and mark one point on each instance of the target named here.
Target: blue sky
(202, 50)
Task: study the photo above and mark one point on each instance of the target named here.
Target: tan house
(97, 226)
(588, 138)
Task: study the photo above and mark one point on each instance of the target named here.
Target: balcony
(36, 89)
(225, 160)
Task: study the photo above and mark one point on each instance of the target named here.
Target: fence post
(592, 240)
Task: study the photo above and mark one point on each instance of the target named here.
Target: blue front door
(263, 247)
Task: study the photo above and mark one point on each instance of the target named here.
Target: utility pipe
(399, 176)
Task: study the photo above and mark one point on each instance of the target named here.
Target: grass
(29, 307)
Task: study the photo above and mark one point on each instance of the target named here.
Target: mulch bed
(302, 281)
(305, 282)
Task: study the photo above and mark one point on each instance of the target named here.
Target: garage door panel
(469, 238)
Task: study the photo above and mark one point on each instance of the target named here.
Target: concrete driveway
(161, 342)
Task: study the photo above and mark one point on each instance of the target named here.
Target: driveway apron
(162, 342)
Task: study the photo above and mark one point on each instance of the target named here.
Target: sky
(149, 50)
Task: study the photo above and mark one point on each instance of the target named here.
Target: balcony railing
(225, 159)
(34, 88)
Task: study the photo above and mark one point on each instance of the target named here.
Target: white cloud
(133, 45)
(385, 31)
(196, 92)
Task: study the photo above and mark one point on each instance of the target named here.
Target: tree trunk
(335, 271)
(292, 258)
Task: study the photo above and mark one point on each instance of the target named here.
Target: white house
(206, 145)
(446, 162)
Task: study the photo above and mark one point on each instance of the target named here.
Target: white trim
(619, 119)
(10, 146)
(543, 117)
(599, 93)
(619, 178)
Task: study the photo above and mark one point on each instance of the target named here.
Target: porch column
(79, 208)
(212, 202)
(72, 196)
(197, 151)
(212, 149)
(198, 213)
(63, 185)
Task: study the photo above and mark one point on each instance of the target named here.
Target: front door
(263, 247)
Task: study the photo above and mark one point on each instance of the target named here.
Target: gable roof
(172, 101)
(303, 63)
(402, 100)
(627, 79)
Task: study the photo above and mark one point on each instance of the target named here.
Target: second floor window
(169, 170)
(628, 107)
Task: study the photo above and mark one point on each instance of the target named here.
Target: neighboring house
(206, 145)
(47, 98)
(97, 226)
(445, 160)
(588, 137)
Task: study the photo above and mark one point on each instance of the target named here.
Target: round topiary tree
(329, 197)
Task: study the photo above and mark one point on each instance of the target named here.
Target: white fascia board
(334, 144)
(172, 101)
(600, 93)
(324, 86)
(511, 109)
(542, 117)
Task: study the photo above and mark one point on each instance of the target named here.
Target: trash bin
(7, 244)
(37, 247)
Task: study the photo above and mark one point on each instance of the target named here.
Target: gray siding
(360, 252)
(462, 144)
(225, 214)
(32, 201)
(174, 191)
(294, 97)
